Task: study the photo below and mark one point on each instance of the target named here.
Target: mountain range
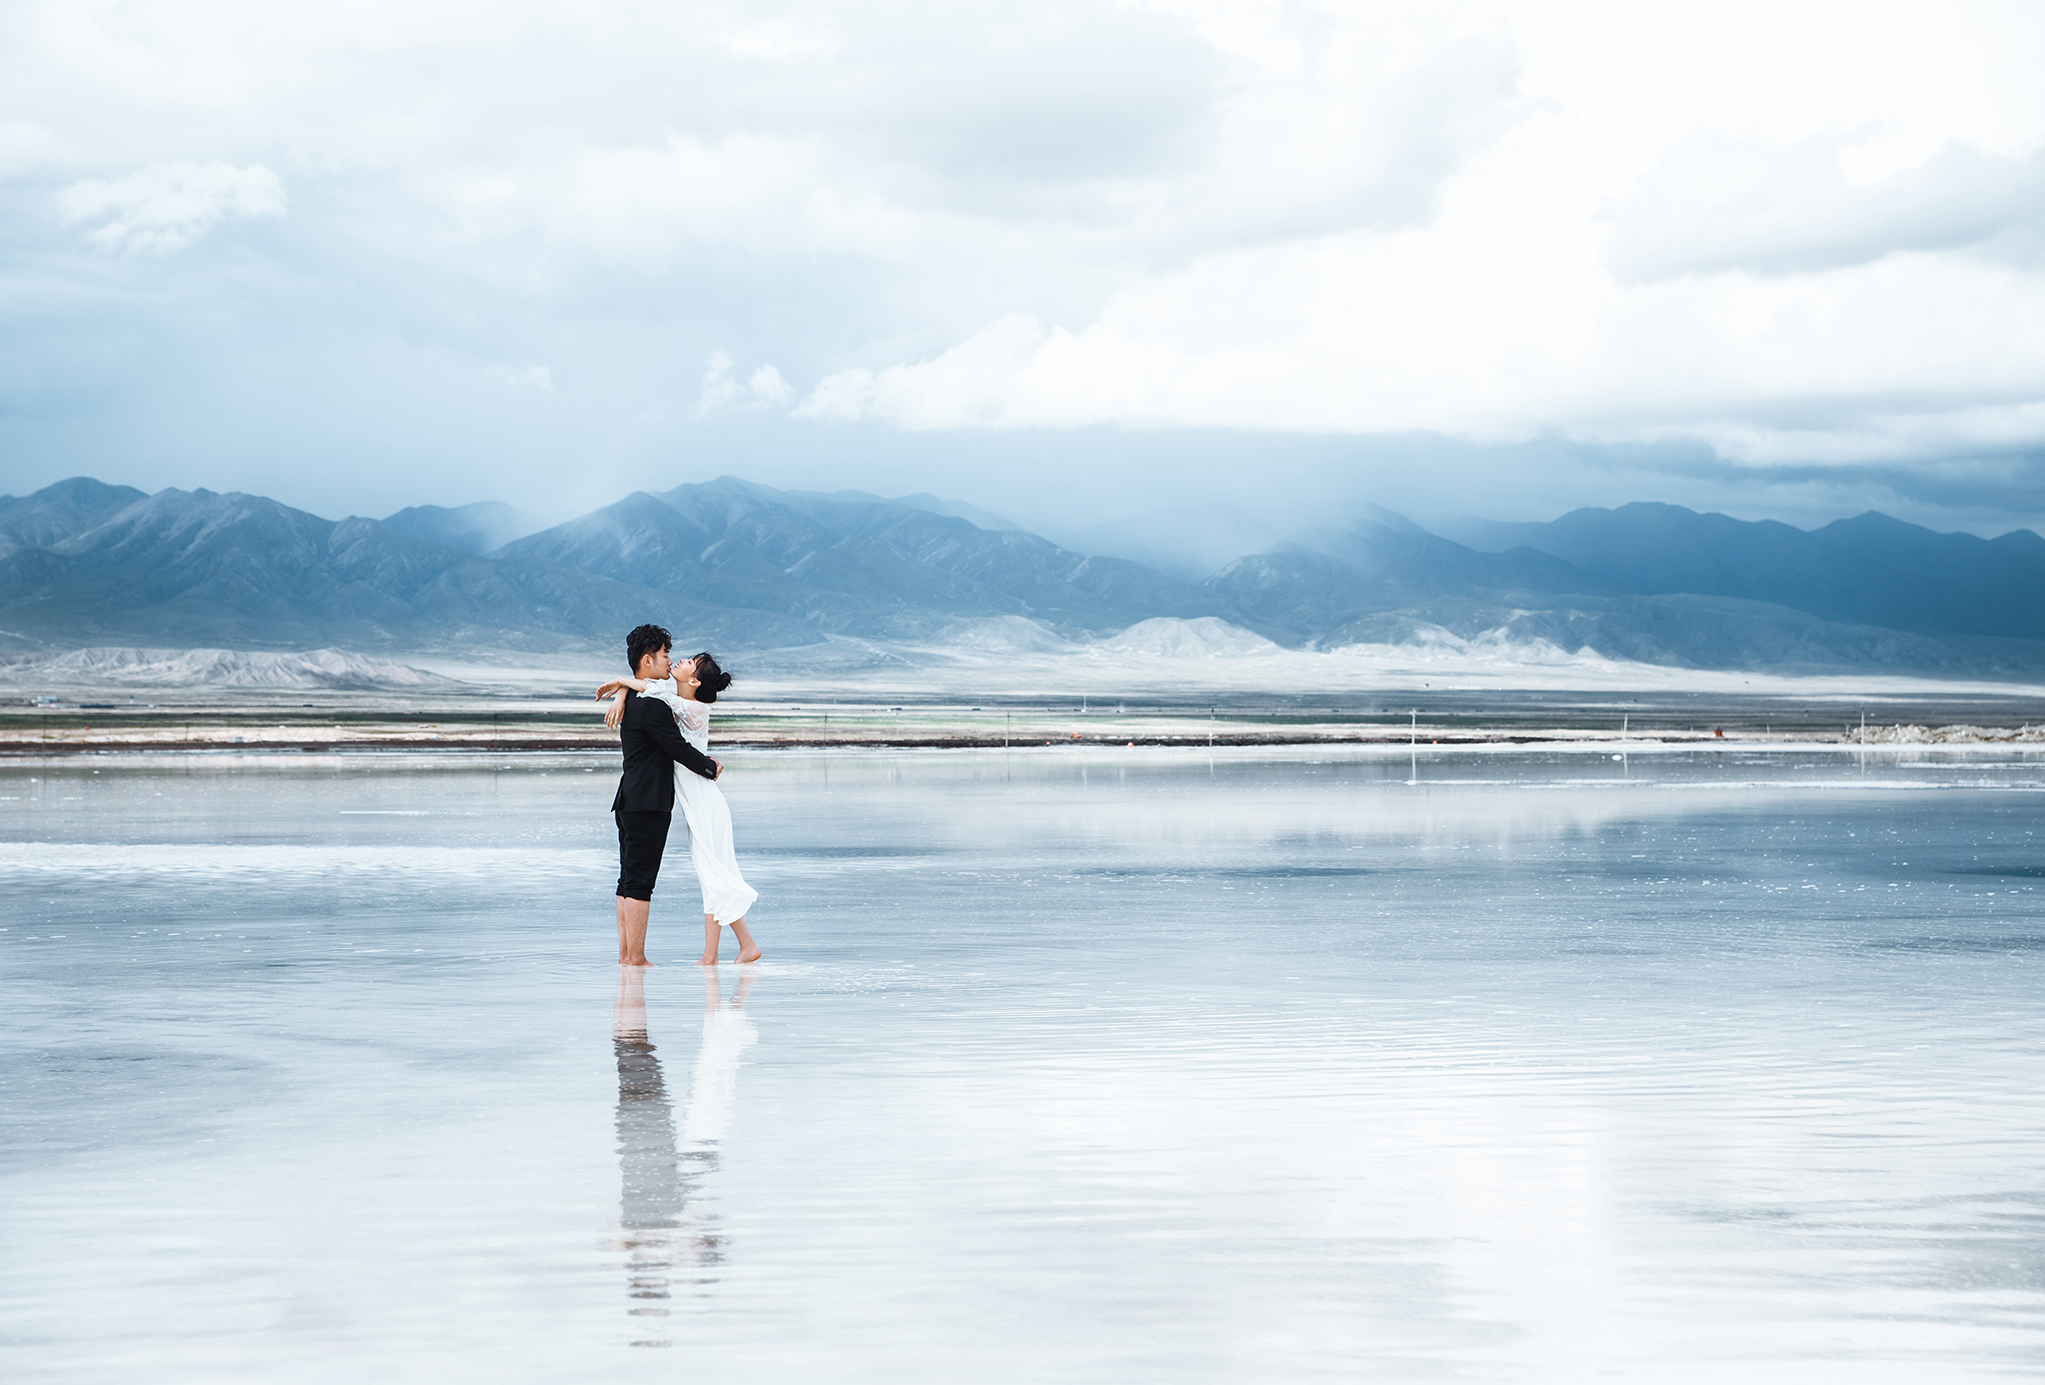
(1870, 569)
(743, 566)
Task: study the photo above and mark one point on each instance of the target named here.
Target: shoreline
(1563, 742)
(1455, 719)
(571, 746)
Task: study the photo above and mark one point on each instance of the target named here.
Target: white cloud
(971, 385)
(768, 387)
(651, 204)
(25, 145)
(1716, 203)
(164, 208)
(723, 393)
(778, 38)
(1797, 233)
(1496, 340)
(537, 378)
(1611, 267)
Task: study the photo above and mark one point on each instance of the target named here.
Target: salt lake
(1085, 1065)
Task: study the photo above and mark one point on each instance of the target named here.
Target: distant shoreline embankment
(80, 730)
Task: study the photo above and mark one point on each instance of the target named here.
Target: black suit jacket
(653, 747)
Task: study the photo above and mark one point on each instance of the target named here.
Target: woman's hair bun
(713, 679)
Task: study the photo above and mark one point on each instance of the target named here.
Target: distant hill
(855, 564)
(194, 568)
(725, 563)
(959, 509)
(476, 528)
(1870, 570)
(1328, 577)
(1663, 585)
(55, 513)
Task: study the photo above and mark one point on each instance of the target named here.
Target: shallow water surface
(1086, 1066)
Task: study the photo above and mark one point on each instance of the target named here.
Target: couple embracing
(662, 715)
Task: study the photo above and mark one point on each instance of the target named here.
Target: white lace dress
(726, 895)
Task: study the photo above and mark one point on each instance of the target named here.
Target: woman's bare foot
(709, 961)
(748, 950)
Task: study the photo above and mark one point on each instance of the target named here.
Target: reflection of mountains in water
(668, 1239)
(745, 567)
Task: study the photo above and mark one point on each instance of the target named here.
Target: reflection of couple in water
(662, 716)
(661, 1169)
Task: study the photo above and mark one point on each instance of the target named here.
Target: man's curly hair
(644, 641)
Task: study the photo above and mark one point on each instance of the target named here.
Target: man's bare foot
(634, 962)
(750, 955)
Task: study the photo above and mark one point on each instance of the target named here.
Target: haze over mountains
(744, 567)
(476, 528)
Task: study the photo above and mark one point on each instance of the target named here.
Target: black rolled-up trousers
(642, 837)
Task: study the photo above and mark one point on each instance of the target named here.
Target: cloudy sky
(1073, 262)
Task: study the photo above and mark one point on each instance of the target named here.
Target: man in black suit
(645, 803)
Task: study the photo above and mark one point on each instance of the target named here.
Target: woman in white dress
(726, 895)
